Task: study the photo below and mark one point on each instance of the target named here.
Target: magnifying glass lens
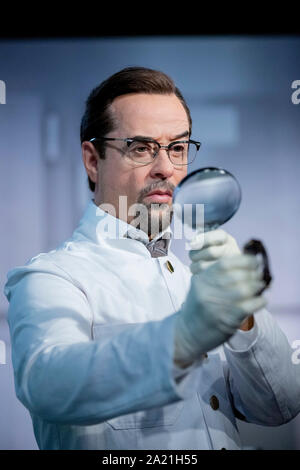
(214, 190)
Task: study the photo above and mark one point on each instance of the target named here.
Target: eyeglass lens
(180, 153)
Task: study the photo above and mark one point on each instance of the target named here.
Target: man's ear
(90, 159)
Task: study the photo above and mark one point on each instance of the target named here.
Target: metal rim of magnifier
(209, 168)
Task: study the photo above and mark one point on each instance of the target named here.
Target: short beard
(155, 219)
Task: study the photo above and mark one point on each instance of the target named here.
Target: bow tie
(157, 247)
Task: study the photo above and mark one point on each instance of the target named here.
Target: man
(116, 344)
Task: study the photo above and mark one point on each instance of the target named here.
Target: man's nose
(162, 164)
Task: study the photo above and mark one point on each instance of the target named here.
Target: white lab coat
(91, 326)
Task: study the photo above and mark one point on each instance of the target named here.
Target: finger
(211, 253)
(245, 290)
(200, 266)
(240, 275)
(213, 237)
(252, 305)
(221, 268)
(241, 261)
(232, 248)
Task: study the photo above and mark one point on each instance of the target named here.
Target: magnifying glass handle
(256, 247)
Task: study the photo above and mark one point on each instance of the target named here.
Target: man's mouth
(159, 196)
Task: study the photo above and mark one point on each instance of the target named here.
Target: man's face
(160, 117)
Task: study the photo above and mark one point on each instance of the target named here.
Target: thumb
(206, 239)
(231, 247)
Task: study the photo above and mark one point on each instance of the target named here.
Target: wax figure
(116, 344)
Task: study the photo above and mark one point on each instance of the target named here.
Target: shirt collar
(97, 225)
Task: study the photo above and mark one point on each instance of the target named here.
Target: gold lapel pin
(169, 266)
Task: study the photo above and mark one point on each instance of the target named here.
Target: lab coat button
(214, 402)
(169, 266)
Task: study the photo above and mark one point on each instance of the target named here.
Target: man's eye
(141, 149)
(178, 148)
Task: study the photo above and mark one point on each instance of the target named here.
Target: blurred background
(239, 91)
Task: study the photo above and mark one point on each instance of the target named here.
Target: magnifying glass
(219, 193)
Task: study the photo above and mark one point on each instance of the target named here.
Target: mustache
(162, 186)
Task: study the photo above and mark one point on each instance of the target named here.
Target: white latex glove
(208, 247)
(220, 298)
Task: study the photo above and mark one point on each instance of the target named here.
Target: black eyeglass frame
(130, 140)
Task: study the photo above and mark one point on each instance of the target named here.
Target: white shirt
(91, 326)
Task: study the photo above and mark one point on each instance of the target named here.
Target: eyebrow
(147, 137)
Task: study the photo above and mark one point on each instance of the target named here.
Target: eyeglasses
(180, 152)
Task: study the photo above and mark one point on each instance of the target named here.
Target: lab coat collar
(97, 225)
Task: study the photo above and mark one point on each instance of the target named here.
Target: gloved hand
(208, 247)
(220, 298)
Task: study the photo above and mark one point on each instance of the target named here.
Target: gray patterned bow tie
(157, 247)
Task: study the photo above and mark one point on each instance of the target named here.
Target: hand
(220, 298)
(208, 247)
